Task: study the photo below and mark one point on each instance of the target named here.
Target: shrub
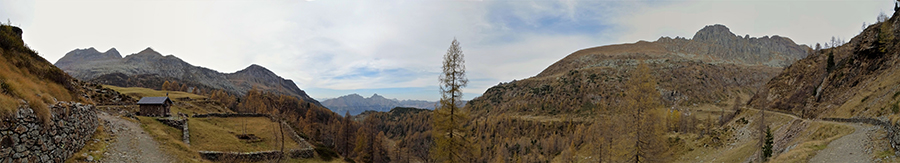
(830, 62)
(885, 36)
(326, 154)
(896, 107)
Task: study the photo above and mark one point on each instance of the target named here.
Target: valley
(716, 96)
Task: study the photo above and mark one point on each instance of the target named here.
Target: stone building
(155, 106)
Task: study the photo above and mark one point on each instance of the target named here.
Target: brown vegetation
(26, 76)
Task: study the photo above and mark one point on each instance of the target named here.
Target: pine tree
(641, 102)
(450, 131)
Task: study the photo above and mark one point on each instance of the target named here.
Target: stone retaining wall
(226, 115)
(25, 138)
(250, 156)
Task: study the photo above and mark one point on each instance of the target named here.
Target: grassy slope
(147, 92)
(25, 75)
(198, 104)
(218, 134)
(206, 133)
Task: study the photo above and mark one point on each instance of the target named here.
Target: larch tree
(450, 130)
(641, 98)
(165, 85)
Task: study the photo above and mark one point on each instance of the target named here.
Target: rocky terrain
(855, 79)
(356, 104)
(712, 67)
(150, 69)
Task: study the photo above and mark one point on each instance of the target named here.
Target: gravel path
(132, 143)
(849, 148)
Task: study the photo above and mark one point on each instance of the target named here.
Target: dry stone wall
(26, 138)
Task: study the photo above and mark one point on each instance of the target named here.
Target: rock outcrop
(855, 79)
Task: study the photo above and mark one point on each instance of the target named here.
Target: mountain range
(714, 66)
(151, 69)
(356, 104)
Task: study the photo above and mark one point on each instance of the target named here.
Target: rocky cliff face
(356, 104)
(856, 79)
(712, 67)
(150, 69)
(716, 44)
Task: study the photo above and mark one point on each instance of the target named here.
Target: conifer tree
(165, 85)
(641, 102)
(450, 131)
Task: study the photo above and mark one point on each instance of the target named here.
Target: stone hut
(155, 106)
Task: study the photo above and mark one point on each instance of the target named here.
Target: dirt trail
(849, 148)
(846, 149)
(132, 143)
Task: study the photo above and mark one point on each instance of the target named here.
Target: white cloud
(805, 22)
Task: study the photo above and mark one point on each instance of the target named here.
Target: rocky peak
(83, 55)
(112, 52)
(711, 33)
(354, 96)
(255, 70)
(376, 96)
(149, 51)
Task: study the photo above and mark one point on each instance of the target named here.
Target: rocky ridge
(150, 69)
(714, 66)
(356, 104)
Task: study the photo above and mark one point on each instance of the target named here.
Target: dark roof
(153, 100)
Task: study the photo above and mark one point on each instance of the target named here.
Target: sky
(394, 48)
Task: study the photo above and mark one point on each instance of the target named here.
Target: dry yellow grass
(147, 92)
(219, 134)
(170, 140)
(17, 83)
(93, 148)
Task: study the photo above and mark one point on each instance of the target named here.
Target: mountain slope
(356, 104)
(712, 67)
(150, 69)
(26, 78)
(856, 79)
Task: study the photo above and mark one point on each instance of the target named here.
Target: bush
(830, 62)
(326, 154)
(885, 36)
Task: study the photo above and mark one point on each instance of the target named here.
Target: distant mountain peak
(88, 54)
(149, 50)
(113, 52)
(713, 32)
(356, 104)
(148, 67)
(257, 71)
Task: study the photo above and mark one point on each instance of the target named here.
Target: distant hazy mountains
(151, 69)
(355, 104)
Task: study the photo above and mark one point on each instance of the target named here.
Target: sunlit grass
(147, 92)
(219, 134)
